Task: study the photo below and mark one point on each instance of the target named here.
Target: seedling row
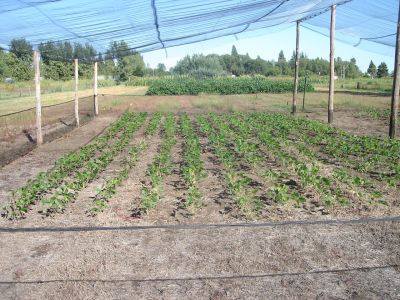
(266, 160)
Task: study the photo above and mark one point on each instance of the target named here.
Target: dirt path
(41, 159)
(344, 119)
(309, 260)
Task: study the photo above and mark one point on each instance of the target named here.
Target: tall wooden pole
(76, 93)
(38, 105)
(396, 85)
(296, 68)
(96, 104)
(332, 65)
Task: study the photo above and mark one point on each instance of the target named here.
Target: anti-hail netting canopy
(148, 25)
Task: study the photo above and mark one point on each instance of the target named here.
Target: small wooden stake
(396, 85)
(304, 92)
(332, 65)
(296, 69)
(96, 104)
(38, 105)
(76, 93)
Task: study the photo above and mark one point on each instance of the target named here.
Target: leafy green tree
(372, 69)
(382, 70)
(352, 70)
(132, 65)
(200, 66)
(22, 49)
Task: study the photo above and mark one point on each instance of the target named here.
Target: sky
(268, 44)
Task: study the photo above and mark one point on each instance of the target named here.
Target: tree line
(237, 64)
(120, 63)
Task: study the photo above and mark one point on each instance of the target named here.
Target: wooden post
(76, 93)
(38, 105)
(96, 104)
(296, 69)
(396, 85)
(332, 66)
(304, 92)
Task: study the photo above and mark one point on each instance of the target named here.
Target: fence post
(304, 92)
(76, 93)
(332, 65)
(39, 136)
(296, 69)
(396, 86)
(96, 104)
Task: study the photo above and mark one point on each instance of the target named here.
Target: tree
(132, 65)
(200, 66)
(352, 70)
(234, 51)
(21, 48)
(161, 69)
(282, 64)
(119, 50)
(382, 70)
(372, 69)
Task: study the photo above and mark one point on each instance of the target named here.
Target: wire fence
(55, 118)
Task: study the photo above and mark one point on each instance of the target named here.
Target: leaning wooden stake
(39, 136)
(332, 65)
(76, 93)
(396, 85)
(296, 69)
(96, 104)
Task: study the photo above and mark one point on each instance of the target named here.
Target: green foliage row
(160, 167)
(193, 165)
(35, 189)
(223, 86)
(237, 182)
(109, 188)
(67, 192)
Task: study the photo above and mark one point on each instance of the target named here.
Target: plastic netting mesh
(153, 24)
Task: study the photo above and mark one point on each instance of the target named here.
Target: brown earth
(269, 260)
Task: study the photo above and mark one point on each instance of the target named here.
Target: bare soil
(357, 261)
(65, 257)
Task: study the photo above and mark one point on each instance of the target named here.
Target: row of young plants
(304, 145)
(152, 127)
(109, 188)
(223, 86)
(242, 137)
(279, 126)
(238, 182)
(34, 189)
(308, 174)
(69, 189)
(160, 167)
(193, 165)
(379, 158)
